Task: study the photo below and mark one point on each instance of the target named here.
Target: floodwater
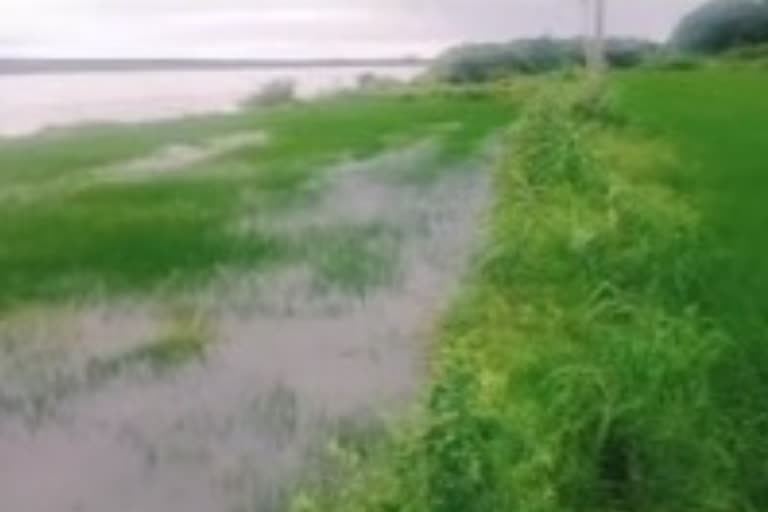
(289, 365)
(29, 103)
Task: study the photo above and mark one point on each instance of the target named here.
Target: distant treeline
(480, 62)
(714, 27)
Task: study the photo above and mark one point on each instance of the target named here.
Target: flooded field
(220, 394)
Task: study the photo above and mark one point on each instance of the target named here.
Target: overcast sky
(301, 28)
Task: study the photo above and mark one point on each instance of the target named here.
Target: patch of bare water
(286, 365)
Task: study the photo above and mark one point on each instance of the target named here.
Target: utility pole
(600, 61)
(594, 35)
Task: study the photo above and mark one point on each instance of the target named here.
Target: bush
(373, 82)
(275, 92)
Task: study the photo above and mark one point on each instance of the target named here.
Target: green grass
(720, 131)
(608, 353)
(175, 228)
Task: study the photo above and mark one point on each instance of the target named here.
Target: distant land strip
(15, 66)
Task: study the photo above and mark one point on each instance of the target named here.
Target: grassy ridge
(126, 235)
(596, 361)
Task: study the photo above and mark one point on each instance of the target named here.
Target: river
(30, 103)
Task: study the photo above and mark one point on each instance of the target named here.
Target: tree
(722, 24)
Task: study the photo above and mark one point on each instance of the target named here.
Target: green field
(717, 122)
(70, 230)
(609, 353)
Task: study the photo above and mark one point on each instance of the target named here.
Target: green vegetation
(482, 62)
(608, 353)
(68, 233)
(724, 146)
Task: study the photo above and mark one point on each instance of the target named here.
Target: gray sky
(300, 28)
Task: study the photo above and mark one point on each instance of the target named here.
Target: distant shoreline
(15, 66)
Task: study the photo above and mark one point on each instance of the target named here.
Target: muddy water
(289, 364)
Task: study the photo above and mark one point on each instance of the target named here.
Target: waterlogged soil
(225, 398)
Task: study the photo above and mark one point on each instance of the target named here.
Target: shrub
(373, 82)
(275, 92)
